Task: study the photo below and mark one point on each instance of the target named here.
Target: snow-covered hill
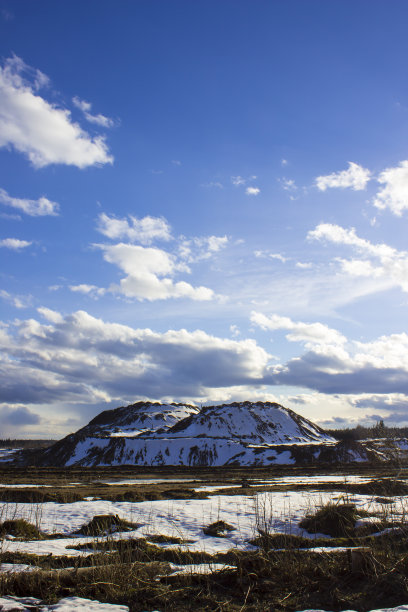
(139, 418)
(255, 423)
(245, 433)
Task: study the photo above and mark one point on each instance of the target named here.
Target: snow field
(278, 512)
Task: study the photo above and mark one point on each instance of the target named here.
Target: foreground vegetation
(138, 574)
(281, 572)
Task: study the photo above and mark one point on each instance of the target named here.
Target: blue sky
(203, 201)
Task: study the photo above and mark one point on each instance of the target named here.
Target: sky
(203, 202)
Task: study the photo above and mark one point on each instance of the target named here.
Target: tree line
(360, 432)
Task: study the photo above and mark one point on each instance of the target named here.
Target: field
(262, 539)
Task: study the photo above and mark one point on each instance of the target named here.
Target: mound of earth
(237, 434)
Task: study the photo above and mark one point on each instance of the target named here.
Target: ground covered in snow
(169, 545)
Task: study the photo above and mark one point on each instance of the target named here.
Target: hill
(240, 433)
(149, 433)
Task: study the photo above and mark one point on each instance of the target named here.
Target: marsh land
(169, 538)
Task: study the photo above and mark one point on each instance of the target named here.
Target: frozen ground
(74, 604)
(293, 480)
(68, 604)
(275, 512)
(7, 453)
(397, 609)
(143, 481)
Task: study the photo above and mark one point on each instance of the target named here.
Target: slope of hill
(267, 423)
(139, 418)
(245, 433)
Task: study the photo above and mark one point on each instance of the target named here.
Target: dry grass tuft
(336, 520)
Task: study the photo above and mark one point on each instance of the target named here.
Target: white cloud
(176, 162)
(238, 180)
(373, 367)
(303, 265)
(313, 334)
(252, 190)
(82, 359)
(381, 261)
(356, 177)
(39, 129)
(288, 184)
(18, 301)
(149, 273)
(14, 244)
(91, 290)
(284, 162)
(394, 194)
(50, 315)
(34, 208)
(266, 254)
(340, 235)
(278, 256)
(196, 249)
(85, 107)
(143, 230)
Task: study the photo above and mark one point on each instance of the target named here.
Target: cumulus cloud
(50, 315)
(332, 374)
(99, 119)
(14, 244)
(80, 358)
(149, 273)
(356, 177)
(252, 191)
(393, 406)
(150, 270)
(144, 230)
(40, 130)
(34, 208)
(240, 181)
(394, 193)
(313, 334)
(380, 261)
(331, 366)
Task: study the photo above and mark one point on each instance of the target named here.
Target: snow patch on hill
(140, 418)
